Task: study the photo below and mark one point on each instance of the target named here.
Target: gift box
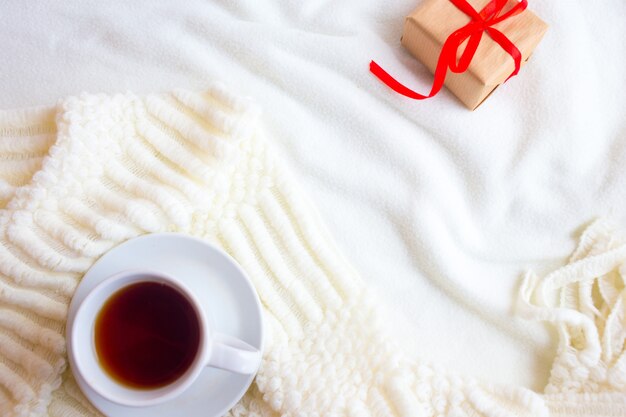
(427, 29)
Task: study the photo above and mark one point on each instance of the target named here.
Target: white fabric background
(441, 209)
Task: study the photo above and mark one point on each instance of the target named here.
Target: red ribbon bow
(481, 22)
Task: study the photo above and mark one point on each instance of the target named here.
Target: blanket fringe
(585, 300)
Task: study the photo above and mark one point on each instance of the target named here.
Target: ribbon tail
(446, 56)
(394, 84)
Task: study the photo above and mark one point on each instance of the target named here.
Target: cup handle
(234, 355)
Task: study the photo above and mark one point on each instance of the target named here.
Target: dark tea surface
(147, 335)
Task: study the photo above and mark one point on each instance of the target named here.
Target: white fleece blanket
(441, 209)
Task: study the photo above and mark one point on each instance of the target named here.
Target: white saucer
(220, 285)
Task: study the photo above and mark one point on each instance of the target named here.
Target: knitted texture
(80, 178)
(586, 300)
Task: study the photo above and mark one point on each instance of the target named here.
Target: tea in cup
(141, 337)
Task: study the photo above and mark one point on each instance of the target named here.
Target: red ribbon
(481, 22)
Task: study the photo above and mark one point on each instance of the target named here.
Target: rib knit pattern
(106, 170)
(95, 171)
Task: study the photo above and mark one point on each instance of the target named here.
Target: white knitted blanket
(94, 171)
(440, 209)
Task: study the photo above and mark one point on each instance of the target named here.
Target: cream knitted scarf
(80, 178)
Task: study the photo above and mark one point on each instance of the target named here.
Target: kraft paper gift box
(429, 25)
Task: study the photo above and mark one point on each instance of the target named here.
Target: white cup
(215, 349)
